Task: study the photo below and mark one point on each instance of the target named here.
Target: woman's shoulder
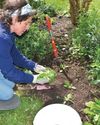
(4, 34)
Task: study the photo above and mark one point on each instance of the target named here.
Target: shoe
(12, 103)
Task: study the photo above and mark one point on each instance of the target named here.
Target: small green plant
(68, 98)
(63, 66)
(49, 74)
(93, 111)
(69, 85)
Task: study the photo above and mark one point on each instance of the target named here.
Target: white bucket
(57, 114)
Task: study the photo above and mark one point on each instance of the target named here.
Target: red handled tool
(48, 23)
(55, 50)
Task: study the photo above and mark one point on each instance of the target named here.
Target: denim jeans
(6, 88)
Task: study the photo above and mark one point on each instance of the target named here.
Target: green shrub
(85, 37)
(42, 7)
(95, 67)
(36, 3)
(35, 44)
(86, 42)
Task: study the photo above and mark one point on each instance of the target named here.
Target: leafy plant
(85, 37)
(35, 44)
(43, 7)
(86, 41)
(68, 98)
(49, 74)
(48, 10)
(69, 85)
(95, 67)
(36, 3)
(93, 111)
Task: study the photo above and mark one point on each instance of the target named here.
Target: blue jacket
(11, 59)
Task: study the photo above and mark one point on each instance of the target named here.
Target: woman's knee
(7, 95)
(6, 81)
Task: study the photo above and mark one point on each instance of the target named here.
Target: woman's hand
(39, 68)
(38, 80)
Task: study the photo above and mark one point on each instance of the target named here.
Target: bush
(43, 7)
(35, 44)
(85, 37)
(36, 3)
(86, 41)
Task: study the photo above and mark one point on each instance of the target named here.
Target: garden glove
(39, 80)
(39, 68)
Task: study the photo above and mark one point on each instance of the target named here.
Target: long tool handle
(55, 50)
(48, 22)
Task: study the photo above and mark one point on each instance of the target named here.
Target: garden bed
(75, 73)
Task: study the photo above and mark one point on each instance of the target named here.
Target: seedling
(68, 98)
(69, 85)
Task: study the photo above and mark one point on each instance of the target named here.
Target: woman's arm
(7, 66)
(20, 60)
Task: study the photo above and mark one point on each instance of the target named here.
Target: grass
(60, 5)
(63, 5)
(24, 114)
(96, 4)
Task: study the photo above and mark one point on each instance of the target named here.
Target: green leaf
(49, 74)
(87, 123)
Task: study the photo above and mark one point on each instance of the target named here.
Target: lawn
(96, 4)
(24, 114)
(61, 5)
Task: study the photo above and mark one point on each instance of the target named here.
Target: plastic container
(57, 114)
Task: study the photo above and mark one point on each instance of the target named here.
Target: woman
(15, 18)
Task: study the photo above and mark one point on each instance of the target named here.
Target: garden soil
(74, 72)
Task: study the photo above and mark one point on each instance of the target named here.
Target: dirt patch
(81, 95)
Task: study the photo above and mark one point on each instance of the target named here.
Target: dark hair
(8, 9)
(14, 4)
(26, 16)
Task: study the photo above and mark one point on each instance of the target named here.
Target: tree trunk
(76, 6)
